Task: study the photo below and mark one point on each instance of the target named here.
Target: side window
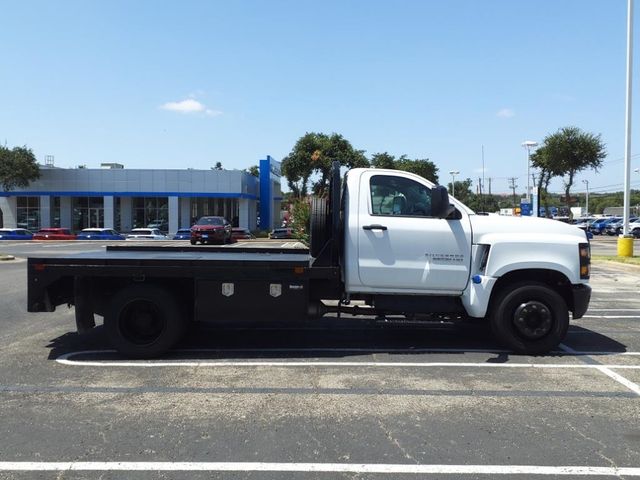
(399, 196)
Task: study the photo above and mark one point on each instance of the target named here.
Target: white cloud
(190, 105)
(506, 113)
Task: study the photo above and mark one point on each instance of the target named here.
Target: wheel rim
(533, 320)
(141, 322)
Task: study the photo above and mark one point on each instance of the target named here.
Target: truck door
(401, 247)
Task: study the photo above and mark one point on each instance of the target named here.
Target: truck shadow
(328, 339)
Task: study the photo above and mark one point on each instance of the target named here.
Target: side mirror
(440, 207)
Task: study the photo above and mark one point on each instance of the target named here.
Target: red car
(54, 234)
(211, 230)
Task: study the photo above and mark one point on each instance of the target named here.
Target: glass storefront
(151, 211)
(28, 213)
(220, 207)
(55, 212)
(88, 212)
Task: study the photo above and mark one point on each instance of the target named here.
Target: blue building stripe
(31, 193)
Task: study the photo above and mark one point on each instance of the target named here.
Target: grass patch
(615, 258)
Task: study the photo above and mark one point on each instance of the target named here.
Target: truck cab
(410, 247)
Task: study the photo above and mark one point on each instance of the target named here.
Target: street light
(586, 207)
(453, 174)
(529, 144)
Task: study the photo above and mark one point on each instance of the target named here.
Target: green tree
(312, 155)
(383, 160)
(253, 170)
(423, 167)
(18, 167)
(567, 152)
(462, 191)
(218, 166)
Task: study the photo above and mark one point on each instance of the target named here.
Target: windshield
(210, 221)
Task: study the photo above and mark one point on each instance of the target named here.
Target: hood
(484, 227)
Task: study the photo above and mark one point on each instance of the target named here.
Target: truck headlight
(585, 260)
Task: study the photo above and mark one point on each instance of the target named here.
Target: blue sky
(187, 84)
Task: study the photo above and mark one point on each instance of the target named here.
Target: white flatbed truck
(388, 238)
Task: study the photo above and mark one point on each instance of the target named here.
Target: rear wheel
(144, 321)
(529, 318)
(193, 242)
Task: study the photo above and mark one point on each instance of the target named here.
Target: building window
(55, 212)
(28, 213)
(117, 215)
(228, 208)
(88, 212)
(151, 211)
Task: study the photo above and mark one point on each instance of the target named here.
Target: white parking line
(66, 358)
(614, 310)
(287, 364)
(321, 467)
(606, 370)
(611, 316)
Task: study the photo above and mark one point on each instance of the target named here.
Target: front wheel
(144, 321)
(529, 318)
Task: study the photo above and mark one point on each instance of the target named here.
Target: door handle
(374, 227)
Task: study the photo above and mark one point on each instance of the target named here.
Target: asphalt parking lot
(330, 400)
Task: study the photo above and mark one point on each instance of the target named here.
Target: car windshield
(210, 221)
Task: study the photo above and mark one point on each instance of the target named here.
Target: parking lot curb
(623, 266)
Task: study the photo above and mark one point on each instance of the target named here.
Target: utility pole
(586, 207)
(513, 186)
(489, 185)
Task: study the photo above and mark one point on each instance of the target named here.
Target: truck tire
(529, 318)
(319, 225)
(144, 321)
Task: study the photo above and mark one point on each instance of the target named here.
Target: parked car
(54, 234)
(615, 228)
(210, 230)
(15, 234)
(182, 234)
(146, 234)
(100, 234)
(241, 234)
(161, 225)
(281, 233)
(598, 227)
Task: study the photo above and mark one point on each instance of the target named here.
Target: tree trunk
(567, 193)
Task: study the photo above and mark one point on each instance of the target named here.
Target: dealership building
(124, 199)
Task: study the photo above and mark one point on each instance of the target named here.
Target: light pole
(453, 174)
(529, 144)
(586, 207)
(625, 244)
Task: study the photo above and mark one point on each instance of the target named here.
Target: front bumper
(215, 235)
(581, 296)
